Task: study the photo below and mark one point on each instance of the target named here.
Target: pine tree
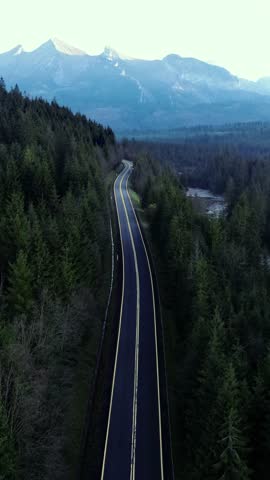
(2, 85)
(68, 274)
(205, 407)
(231, 464)
(203, 288)
(260, 420)
(40, 259)
(20, 290)
(14, 228)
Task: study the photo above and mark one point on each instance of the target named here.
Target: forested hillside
(215, 291)
(54, 250)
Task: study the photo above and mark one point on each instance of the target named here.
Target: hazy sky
(231, 33)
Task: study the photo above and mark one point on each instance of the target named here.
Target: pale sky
(234, 34)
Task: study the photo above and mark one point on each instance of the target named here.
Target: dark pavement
(133, 448)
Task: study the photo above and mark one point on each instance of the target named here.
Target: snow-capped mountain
(63, 47)
(131, 93)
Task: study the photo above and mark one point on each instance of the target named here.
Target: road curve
(133, 445)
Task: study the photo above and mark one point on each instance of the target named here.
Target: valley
(135, 240)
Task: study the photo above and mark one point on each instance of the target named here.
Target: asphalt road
(133, 446)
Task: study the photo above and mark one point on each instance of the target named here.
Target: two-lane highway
(133, 445)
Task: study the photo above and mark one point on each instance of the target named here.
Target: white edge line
(119, 330)
(157, 364)
(132, 475)
(112, 275)
(137, 345)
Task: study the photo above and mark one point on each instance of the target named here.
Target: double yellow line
(156, 344)
(137, 344)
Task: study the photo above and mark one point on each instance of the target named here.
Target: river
(206, 201)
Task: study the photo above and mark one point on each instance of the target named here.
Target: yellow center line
(136, 368)
(156, 346)
(135, 391)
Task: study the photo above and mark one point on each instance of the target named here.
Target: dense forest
(54, 250)
(249, 133)
(213, 274)
(221, 163)
(214, 278)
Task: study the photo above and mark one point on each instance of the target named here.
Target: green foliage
(20, 289)
(231, 465)
(54, 242)
(15, 228)
(215, 291)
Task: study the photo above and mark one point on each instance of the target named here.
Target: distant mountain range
(129, 94)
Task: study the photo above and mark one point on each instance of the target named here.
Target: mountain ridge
(131, 93)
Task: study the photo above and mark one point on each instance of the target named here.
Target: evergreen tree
(210, 378)
(15, 228)
(20, 290)
(232, 443)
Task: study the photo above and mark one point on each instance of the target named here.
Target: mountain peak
(62, 47)
(110, 53)
(18, 50)
(172, 56)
